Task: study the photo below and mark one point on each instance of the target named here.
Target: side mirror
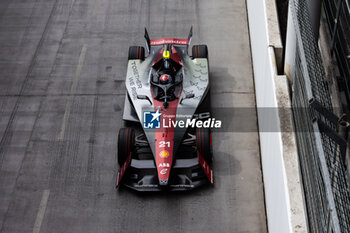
(187, 96)
(144, 97)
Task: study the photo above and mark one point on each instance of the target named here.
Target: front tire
(136, 53)
(126, 141)
(200, 51)
(203, 143)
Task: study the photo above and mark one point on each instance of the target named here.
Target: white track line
(96, 7)
(72, 91)
(41, 211)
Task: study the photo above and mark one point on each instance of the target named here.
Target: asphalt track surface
(62, 70)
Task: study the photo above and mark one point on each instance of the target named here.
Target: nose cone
(164, 162)
(164, 144)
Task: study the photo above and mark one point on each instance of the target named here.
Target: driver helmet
(165, 79)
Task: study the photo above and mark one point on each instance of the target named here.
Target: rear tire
(200, 51)
(126, 141)
(204, 145)
(136, 53)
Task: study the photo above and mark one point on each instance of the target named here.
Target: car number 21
(164, 144)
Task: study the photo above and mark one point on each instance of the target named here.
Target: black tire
(126, 141)
(136, 52)
(200, 51)
(203, 143)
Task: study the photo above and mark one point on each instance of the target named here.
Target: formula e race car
(167, 92)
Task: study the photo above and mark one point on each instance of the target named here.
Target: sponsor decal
(136, 75)
(164, 144)
(164, 154)
(134, 80)
(163, 171)
(164, 165)
(169, 41)
(151, 120)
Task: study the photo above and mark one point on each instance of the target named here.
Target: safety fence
(321, 149)
(338, 17)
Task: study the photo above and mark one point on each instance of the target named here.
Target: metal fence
(338, 17)
(321, 150)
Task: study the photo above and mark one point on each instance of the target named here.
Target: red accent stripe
(206, 168)
(211, 144)
(122, 170)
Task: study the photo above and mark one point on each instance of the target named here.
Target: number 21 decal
(164, 144)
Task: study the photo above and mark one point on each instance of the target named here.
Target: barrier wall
(282, 181)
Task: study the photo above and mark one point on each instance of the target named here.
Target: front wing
(186, 174)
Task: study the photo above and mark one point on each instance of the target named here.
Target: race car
(167, 93)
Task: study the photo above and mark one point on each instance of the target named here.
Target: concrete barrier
(284, 198)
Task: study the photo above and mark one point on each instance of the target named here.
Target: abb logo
(164, 165)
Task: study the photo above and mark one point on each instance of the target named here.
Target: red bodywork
(164, 143)
(173, 56)
(164, 138)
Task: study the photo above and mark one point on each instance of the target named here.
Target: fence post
(335, 28)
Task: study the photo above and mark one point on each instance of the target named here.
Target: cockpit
(166, 76)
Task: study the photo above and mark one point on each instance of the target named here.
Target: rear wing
(163, 41)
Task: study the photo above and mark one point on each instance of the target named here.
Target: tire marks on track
(66, 171)
(92, 138)
(7, 136)
(7, 133)
(72, 91)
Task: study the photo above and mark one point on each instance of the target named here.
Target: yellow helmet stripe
(166, 54)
